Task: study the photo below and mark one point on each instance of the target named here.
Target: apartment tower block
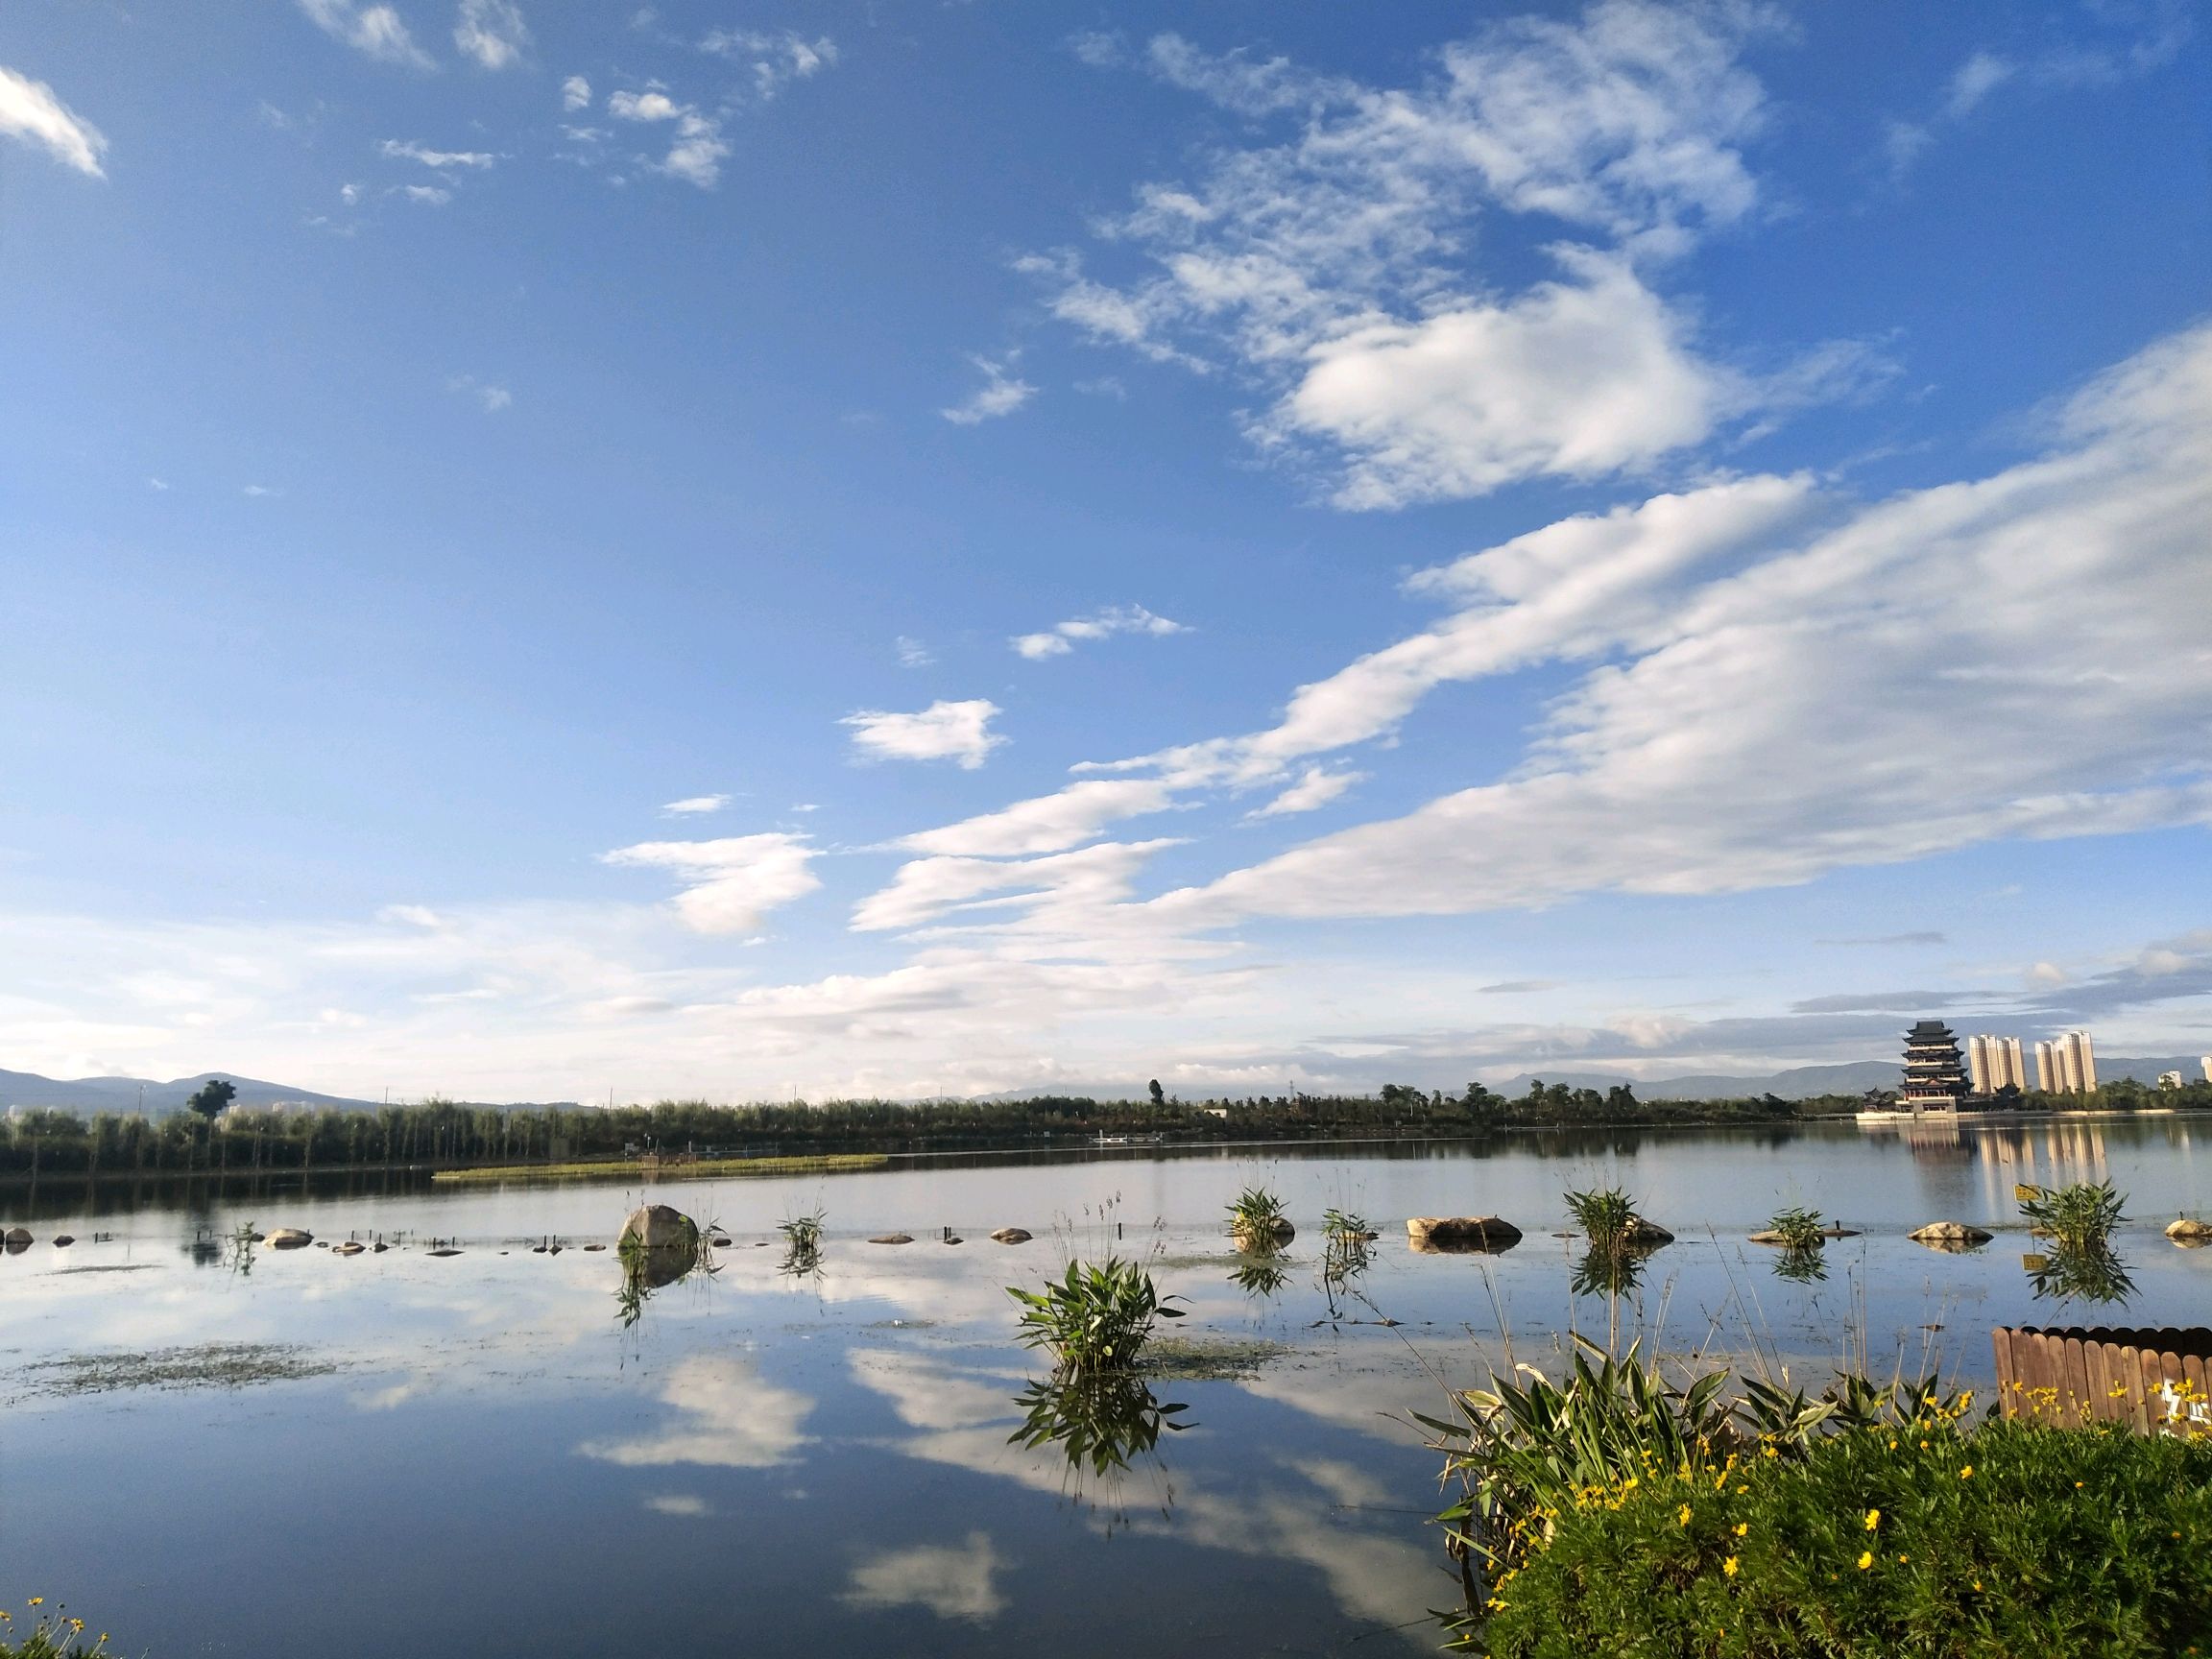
(2066, 1065)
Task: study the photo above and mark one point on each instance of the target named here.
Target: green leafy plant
(1094, 1320)
(1798, 1229)
(802, 1243)
(1926, 1538)
(1606, 1214)
(2081, 1215)
(2079, 1273)
(1256, 1213)
(1344, 1227)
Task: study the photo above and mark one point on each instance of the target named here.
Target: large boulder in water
(659, 1227)
(17, 1239)
(2184, 1231)
(1484, 1232)
(1949, 1235)
(289, 1238)
(1012, 1234)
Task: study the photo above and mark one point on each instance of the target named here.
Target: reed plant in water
(2082, 1216)
(1094, 1320)
(1606, 1214)
(1798, 1229)
(1255, 1217)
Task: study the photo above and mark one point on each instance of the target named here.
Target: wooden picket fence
(2155, 1381)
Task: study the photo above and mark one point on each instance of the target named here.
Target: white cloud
(1981, 75)
(999, 395)
(1336, 265)
(698, 150)
(494, 399)
(776, 58)
(1049, 824)
(429, 195)
(29, 110)
(2021, 656)
(1577, 378)
(1318, 787)
(952, 1583)
(728, 1417)
(685, 1505)
(945, 731)
(648, 106)
(912, 653)
(1050, 889)
(695, 804)
(730, 883)
(491, 32)
(374, 30)
(575, 93)
(1057, 641)
(409, 150)
(257, 491)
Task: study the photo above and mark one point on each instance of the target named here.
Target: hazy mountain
(88, 1094)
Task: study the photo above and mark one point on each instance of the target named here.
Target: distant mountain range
(88, 1094)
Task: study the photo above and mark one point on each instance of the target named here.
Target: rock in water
(1012, 1234)
(2187, 1232)
(1462, 1232)
(1949, 1233)
(62, 1240)
(892, 1238)
(1264, 1236)
(352, 1247)
(447, 1250)
(659, 1227)
(289, 1238)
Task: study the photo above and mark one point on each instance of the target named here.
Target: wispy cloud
(374, 30)
(729, 884)
(945, 731)
(1336, 267)
(408, 150)
(1000, 394)
(491, 32)
(698, 148)
(776, 58)
(575, 93)
(29, 110)
(1316, 788)
(494, 399)
(694, 804)
(1061, 638)
(912, 653)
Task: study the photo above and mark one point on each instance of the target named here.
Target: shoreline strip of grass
(627, 1168)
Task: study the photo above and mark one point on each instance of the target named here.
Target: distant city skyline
(978, 549)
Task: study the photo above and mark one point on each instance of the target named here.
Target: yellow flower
(1741, 1528)
(1967, 1472)
(1729, 1566)
(1873, 1519)
(35, 1599)
(1866, 1560)
(1685, 1515)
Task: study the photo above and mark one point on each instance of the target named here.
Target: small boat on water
(1132, 1140)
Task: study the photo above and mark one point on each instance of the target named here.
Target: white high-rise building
(2067, 1065)
(1995, 1062)
(2205, 1060)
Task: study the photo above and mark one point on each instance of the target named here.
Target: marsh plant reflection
(1611, 1270)
(1261, 1275)
(2078, 1273)
(647, 1268)
(1099, 1421)
(1801, 1266)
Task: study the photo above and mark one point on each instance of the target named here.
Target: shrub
(1344, 1229)
(2011, 1540)
(1604, 1213)
(1798, 1228)
(2081, 1216)
(1097, 1319)
(1255, 1214)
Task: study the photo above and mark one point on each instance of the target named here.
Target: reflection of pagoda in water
(1935, 1075)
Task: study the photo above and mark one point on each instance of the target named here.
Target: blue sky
(915, 549)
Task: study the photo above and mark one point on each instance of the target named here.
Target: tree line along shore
(454, 1135)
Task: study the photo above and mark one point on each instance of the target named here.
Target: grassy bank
(629, 1169)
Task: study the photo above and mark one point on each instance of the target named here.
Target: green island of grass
(829, 1163)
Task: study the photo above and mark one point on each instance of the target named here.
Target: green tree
(211, 1098)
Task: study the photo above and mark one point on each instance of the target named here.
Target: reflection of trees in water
(2078, 1273)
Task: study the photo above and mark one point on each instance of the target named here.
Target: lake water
(475, 1454)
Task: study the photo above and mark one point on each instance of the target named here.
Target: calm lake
(478, 1453)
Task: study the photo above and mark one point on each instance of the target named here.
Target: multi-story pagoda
(1935, 1075)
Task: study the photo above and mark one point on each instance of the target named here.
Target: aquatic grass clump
(1094, 1320)
(1933, 1538)
(802, 1243)
(2081, 1215)
(1606, 1214)
(1256, 1219)
(1344, 1229)
(1798, 1229)
(1099, 1422)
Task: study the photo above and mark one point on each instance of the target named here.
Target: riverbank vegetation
(40, 1634)
(446, 1134)
(827, 1164)
(1624, 1511)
